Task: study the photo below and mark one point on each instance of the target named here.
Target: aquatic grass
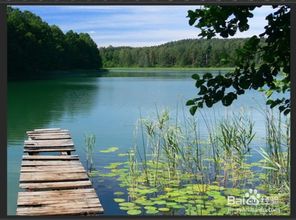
(89, 140)
(171, 170)
(276, 155)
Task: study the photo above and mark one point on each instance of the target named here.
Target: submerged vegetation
(90, 140)
(172, 170)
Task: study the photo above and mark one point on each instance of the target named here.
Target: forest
(182, 53)
(34, 47)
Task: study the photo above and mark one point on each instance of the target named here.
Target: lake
(108, 107)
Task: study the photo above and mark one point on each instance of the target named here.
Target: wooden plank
(49, 143)
(51, 200)
(49, 157)
(50, 137)
(47, 177)
(50, 163)
(56, 185)
(53, 131)
(52, 168)
(57, 192)
(55, 197)
(39, 150)
(55, 202)
(47, 129)
(48, 211)
(48, 133)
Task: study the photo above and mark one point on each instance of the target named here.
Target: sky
(133, 25)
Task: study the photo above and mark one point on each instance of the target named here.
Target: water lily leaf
(171, 203)
(164, 209)
(129, 204)
(119, 200)
(122, 155)
(160, 202)
(113, 166)
(118, 193)
(177, 206)
(149, 207)
(134, 212)
(125, 208)
(151, 211)
(109, 150)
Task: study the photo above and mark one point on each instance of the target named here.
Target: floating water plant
(109, 150)
(178, 173)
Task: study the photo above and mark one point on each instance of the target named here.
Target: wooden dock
(54, 184)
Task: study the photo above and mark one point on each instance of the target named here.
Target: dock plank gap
(54, 185)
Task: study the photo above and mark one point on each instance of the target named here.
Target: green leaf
(195, 76)
(152, 211)
(190, 102)
(134, 212)
(203, 90)
(109, 150)
(193, 110)
(119, 200)
(164, 209)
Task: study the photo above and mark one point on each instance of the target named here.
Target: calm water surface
(105, 106)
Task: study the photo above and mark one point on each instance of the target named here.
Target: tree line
(34, 46)
(182, 53)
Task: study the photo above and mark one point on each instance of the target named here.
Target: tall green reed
(89, 140)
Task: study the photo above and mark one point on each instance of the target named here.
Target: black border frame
(3, 93)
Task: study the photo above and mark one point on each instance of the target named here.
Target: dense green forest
(35, 47)
(182, 53)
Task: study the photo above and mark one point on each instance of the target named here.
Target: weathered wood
(55, 202)
(49, 163)
(49, 143)
(52, 168)
(49, 157)
(50, 211)
(50, 137)
(47, 129)
(39, 134)
(57, 192)
(39, 150)
(56, 184)
(57, 176)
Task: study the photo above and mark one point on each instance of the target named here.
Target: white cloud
(133, 25)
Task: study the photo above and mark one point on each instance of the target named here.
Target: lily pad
(118, 193)
(134, 212)
(129, 204)
(160, 202)
(164, 209)
(122, 155)
(149, 207)
(119, 200)
(109, 150)
(152, 211)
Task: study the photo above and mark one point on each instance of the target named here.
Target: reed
(172, 170)
(89, 140)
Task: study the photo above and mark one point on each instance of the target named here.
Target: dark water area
(108, 107)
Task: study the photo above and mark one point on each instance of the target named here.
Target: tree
(34, 47)
(263, 63)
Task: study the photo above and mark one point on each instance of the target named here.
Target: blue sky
(133, 25)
